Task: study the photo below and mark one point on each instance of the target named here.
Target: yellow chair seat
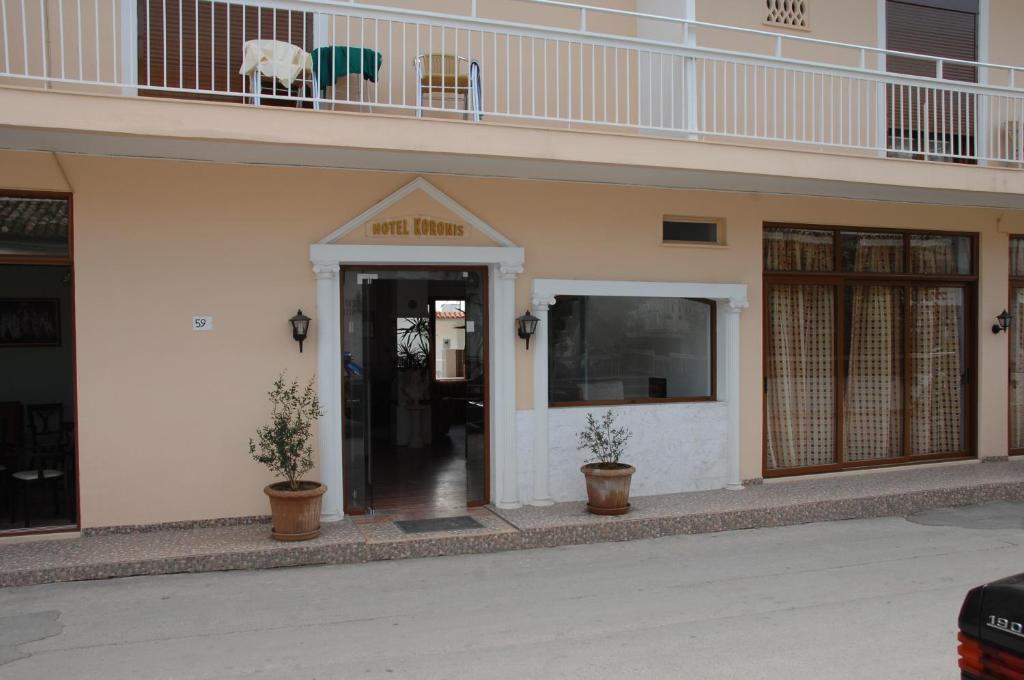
(446, 81)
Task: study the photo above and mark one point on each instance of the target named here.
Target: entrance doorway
(38, 480)
(414, 402)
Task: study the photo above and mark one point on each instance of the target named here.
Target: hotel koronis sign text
(419, 227)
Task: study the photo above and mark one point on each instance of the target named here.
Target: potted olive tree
(283, 446)
(607, 478)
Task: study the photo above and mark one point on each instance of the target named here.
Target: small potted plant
(607, 478)
(283, 446)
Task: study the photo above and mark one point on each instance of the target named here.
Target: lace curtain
(1017, 346)
(800, 428)
(800, 397)
(873, 399)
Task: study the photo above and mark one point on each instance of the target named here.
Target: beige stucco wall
(165, 413)
(833, 20)
(1006, 17)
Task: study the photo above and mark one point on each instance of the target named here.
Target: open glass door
(357, 342)
(476, 388)
(414, 390)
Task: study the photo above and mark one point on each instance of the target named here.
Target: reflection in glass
(880, 253)
(873, 398)
(936, 254)
(1017, 256)
(628, 348)
(798, 250)
(450, 339)
(800, 373)
(34, 226)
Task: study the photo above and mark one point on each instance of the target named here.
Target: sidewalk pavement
(850, 495)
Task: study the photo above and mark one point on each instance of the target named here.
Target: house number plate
(202, 323)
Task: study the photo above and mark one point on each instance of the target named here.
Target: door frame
(72, 337)
(348, 509)
(503, 265)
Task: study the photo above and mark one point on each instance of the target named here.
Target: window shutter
(941, 28)
(197, 44)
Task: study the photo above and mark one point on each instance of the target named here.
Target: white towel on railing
(276, 59)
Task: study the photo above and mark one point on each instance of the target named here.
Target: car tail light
(986, 662)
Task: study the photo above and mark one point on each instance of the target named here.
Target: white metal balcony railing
(574, 65)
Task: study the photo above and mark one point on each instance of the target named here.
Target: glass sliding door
(475, 358)
(873, 400)
(938, 370)
(1016, 341)
(867, 351)
(358, 335)
(800, 378)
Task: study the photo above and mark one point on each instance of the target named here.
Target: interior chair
(46, 459)
(5, 486)
(11, 434)
(448, 75)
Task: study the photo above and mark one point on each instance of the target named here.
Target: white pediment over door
(417, 214)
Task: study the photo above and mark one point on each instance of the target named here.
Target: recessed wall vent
(788, 13)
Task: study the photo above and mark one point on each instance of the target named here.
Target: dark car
(992, 631)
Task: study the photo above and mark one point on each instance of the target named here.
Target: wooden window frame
(839, 281)
(713, 359)
(720, 235)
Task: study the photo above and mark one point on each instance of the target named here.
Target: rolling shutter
(197, 45)
(941, 28)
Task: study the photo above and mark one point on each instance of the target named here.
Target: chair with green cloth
(332, 62)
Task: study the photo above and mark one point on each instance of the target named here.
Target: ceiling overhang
(229, 133)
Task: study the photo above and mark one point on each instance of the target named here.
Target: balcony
(525, 63)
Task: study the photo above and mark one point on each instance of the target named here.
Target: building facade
(772, 236)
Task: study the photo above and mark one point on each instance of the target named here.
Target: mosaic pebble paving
(245, 543)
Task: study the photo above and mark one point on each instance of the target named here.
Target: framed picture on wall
(29, 322)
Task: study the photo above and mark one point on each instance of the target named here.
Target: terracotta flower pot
(295, 515)
(608, 487)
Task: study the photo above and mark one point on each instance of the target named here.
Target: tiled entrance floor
(850, 495)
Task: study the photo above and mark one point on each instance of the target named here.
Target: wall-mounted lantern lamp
(526, 326)
(1003, 322)
(300, 327)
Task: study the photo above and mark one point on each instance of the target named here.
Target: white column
(539, 346)
(731, 313)
(328, 361)
(881, 99)
(985, 133)
(506, 456)
(129, 48)
(690, 40)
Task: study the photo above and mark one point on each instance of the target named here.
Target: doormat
(422, 526)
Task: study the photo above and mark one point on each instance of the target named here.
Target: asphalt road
(858, 599)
